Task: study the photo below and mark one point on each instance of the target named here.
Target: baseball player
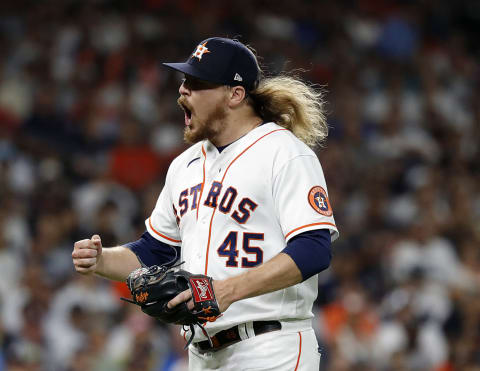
(246, 204)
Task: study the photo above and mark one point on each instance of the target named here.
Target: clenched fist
(86, 254)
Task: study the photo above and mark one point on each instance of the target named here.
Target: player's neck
(235, 128)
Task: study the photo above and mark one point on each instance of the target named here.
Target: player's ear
(237, 95)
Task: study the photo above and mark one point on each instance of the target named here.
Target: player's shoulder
(184, 159)
(282, 142)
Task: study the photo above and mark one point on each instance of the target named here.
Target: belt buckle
(220, 340)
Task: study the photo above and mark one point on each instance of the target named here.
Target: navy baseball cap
(222, 61)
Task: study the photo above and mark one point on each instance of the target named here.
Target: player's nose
(183, 90)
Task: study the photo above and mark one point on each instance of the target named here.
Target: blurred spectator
(133, 163)
(177, 358)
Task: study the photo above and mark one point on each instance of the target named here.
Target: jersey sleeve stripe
(299, 350)
(309, 225)
(223, 178)
(161, 235)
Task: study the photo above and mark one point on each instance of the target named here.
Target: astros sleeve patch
(318, 200)
(301, 198)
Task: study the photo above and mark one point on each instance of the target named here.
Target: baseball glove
(153, 287)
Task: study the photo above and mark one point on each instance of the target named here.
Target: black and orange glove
(153, 287)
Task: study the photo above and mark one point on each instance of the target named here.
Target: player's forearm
(116, 263)
(276, 274)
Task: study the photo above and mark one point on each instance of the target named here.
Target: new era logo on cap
(222, 61)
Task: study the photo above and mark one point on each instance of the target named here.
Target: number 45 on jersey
(229, 249)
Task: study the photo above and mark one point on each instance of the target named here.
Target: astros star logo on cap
(200, 51)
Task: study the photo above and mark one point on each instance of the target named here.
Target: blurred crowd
(89, 124)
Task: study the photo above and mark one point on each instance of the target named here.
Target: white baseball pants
(283, 350)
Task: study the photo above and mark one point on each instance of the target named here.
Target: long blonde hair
(292, 104)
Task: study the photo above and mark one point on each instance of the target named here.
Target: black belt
(230, 336)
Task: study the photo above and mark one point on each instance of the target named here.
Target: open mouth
(188, 113)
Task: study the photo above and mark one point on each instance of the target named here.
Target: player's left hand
(153, 288)
(186, 296)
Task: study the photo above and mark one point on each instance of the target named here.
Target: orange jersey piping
(161, 235)
(299, 350)
(203, 180)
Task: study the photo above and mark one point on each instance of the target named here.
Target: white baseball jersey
(237, 209)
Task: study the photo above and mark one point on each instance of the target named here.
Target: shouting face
(205, 107)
